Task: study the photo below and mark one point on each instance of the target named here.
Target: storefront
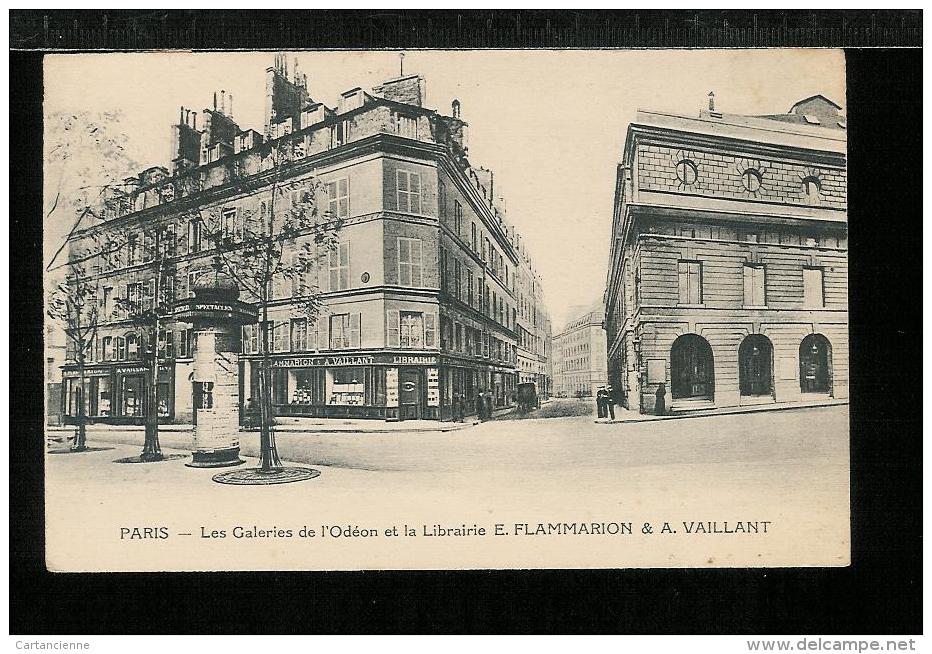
(387, 386)
(463, 379)
(117, 394)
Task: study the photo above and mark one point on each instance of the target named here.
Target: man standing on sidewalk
(600, 402)
(609, 403)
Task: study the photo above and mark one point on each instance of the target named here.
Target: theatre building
(419, 298)
(729, 257)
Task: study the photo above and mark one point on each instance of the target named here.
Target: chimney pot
(457, 108)
(711, 100)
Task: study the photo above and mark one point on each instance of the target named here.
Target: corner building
(419, 298)
(728, 273)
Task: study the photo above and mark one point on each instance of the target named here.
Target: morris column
(216, 315)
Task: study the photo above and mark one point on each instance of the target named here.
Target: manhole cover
(255, 476)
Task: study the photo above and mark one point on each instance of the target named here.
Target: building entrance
(691, 368)
(815, 364)
(410, 390)
(755, 361)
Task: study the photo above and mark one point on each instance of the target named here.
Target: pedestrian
(459, 409)
(456, 406)
(610, 402)
(488, 406)
(600, 402)
(660, 400)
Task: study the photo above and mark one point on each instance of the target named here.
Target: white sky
(551, 124)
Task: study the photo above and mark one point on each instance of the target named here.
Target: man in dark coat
(609, 403)
(600, 402)
(660, 400)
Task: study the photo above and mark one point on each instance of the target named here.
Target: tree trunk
(151, 450)
(80, 441)
(268, 452)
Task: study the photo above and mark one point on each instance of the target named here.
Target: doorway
(755, 366)
(410, 390)
(815, 365)
(691, 368)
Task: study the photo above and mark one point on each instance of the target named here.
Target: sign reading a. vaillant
(312, 362)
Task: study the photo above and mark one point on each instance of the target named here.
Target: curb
(724, 412)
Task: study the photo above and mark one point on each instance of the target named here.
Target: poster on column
(709, 450)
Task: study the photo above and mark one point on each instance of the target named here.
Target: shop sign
(433, 387)
(391, 387)
(105, 372)
(401, 360)
(315, 362)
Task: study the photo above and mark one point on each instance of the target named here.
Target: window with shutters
(280, 330)
(300, 274)
(298, 334)
(754, 285)
(813, 288)
(690, 282)
(430, 329)
(132, 250)
(474, 238)
(132, 346)
(457, 279)
(106, 348)
(409, 191)
(411, 329)
(410, 269)
(229, 222)
(339, 267)
(339, 331)
(469, 282)
(120, 348)
(339, 198)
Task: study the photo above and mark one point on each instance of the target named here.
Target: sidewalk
(625, 415)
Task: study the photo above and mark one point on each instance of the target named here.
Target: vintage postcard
(360, 310)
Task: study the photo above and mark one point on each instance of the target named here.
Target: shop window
(754, 285)
(309, 387)
(100, 396)
(163, 399)
(813, 288)
(408, 184)
(339, 267)
(339, 198)
(347, 387)
(298, 334)
(132, 397)
(410, 271)
(690, 282)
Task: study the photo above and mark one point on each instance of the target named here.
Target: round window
(686, 172)
(365, 278)
(752, 180)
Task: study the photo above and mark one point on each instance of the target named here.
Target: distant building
(579, 356)
(420, 296)
(729, 259)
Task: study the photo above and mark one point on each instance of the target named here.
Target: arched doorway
(691, 368)
(755, 366)
(815, 364)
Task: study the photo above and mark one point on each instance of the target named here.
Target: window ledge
(755, 306)
(691, 306)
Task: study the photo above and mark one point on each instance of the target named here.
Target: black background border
(880, 593)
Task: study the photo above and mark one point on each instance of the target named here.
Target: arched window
(692, 373)
(755, 365)
(815, 364)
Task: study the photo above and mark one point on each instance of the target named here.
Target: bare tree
(74, 304)
(148, 305)
(279, 244)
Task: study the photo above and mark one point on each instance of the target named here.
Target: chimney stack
(457, 108)
(711, 100)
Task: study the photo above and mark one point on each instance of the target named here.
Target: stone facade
(391, 318)
(728, 278)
